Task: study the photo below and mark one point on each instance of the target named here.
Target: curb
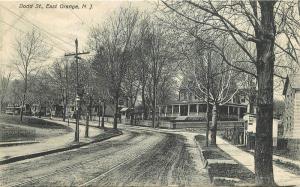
(204, 161)
(35, 155)
(7, 144)
(212, 164)
(282, 161)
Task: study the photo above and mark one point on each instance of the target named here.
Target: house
(15, 109)
(291, 116)
(250, 130)
(188, 104)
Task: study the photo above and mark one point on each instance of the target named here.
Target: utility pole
(103, 113)
(154, 93)
(67, 93)
(89, 112)
(76, 55)
(207, 97)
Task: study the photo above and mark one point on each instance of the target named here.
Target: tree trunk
(50, 113)
(131, 118)
(145, 111)
(87, 125)
(22, 106)
(65, 110)
(115, 125)
(25, 91)
(207, 97)
(103, 113)
(299, 7)
(207, 123)
(40, 108)
(1, 107)
(153, 113)
(154, 102)
(90, 109)
(264, 121)
(99, 120)
(213, 129)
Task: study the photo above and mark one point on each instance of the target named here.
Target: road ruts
(140, 157)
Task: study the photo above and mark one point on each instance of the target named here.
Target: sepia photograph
(150, 93)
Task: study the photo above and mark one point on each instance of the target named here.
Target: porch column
(197, 108)
(188, 113)
(172, 110)
(178, 110)
(159, 109)
(166, 109)
(238, 113)
(228, 111)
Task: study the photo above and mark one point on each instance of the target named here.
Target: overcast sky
(60, 26)
(63, 25)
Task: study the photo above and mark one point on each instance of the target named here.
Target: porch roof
(200, 102)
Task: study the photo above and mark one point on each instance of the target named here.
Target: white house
(291, 116)
(250, 119)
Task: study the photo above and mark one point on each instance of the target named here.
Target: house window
(121, 102)
(185, 96)
(193, 108)
(202, 108)
(176, 109)
(243, 100)
(191, 96)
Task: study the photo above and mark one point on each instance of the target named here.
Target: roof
(184, 83)
(200, 102)
(293, 80)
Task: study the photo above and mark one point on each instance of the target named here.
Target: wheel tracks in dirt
(68, 154)
(127, 162)
(144, 169)
(117, 166)
(67, 168)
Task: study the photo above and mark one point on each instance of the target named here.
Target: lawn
(12, 129)
(224, 170)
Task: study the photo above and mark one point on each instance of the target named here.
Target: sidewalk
(49, 144)
(282, 177)
(286, 160)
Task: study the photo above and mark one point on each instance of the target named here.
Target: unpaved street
(141, 156)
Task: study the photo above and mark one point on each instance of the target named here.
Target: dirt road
(140, 157)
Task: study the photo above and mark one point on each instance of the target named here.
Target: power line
(41, 29)
(12, 26)
(78, 17)
(16, 21)
(76, 55)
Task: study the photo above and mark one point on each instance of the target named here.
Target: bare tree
(252, 27)
(222, 78)
(31, 50)
(131, 86)
(43, 92)
(159, 59)
(144, 66)
(114, 42)
(15, 90)
(60, 74)
(4, 85)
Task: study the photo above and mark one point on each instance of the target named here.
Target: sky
(59, 26)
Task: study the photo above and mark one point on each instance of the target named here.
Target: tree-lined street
(140, 157)
(224, 66)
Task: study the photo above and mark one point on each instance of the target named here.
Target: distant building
(15, 109)
(291, 116)
(190, 105)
